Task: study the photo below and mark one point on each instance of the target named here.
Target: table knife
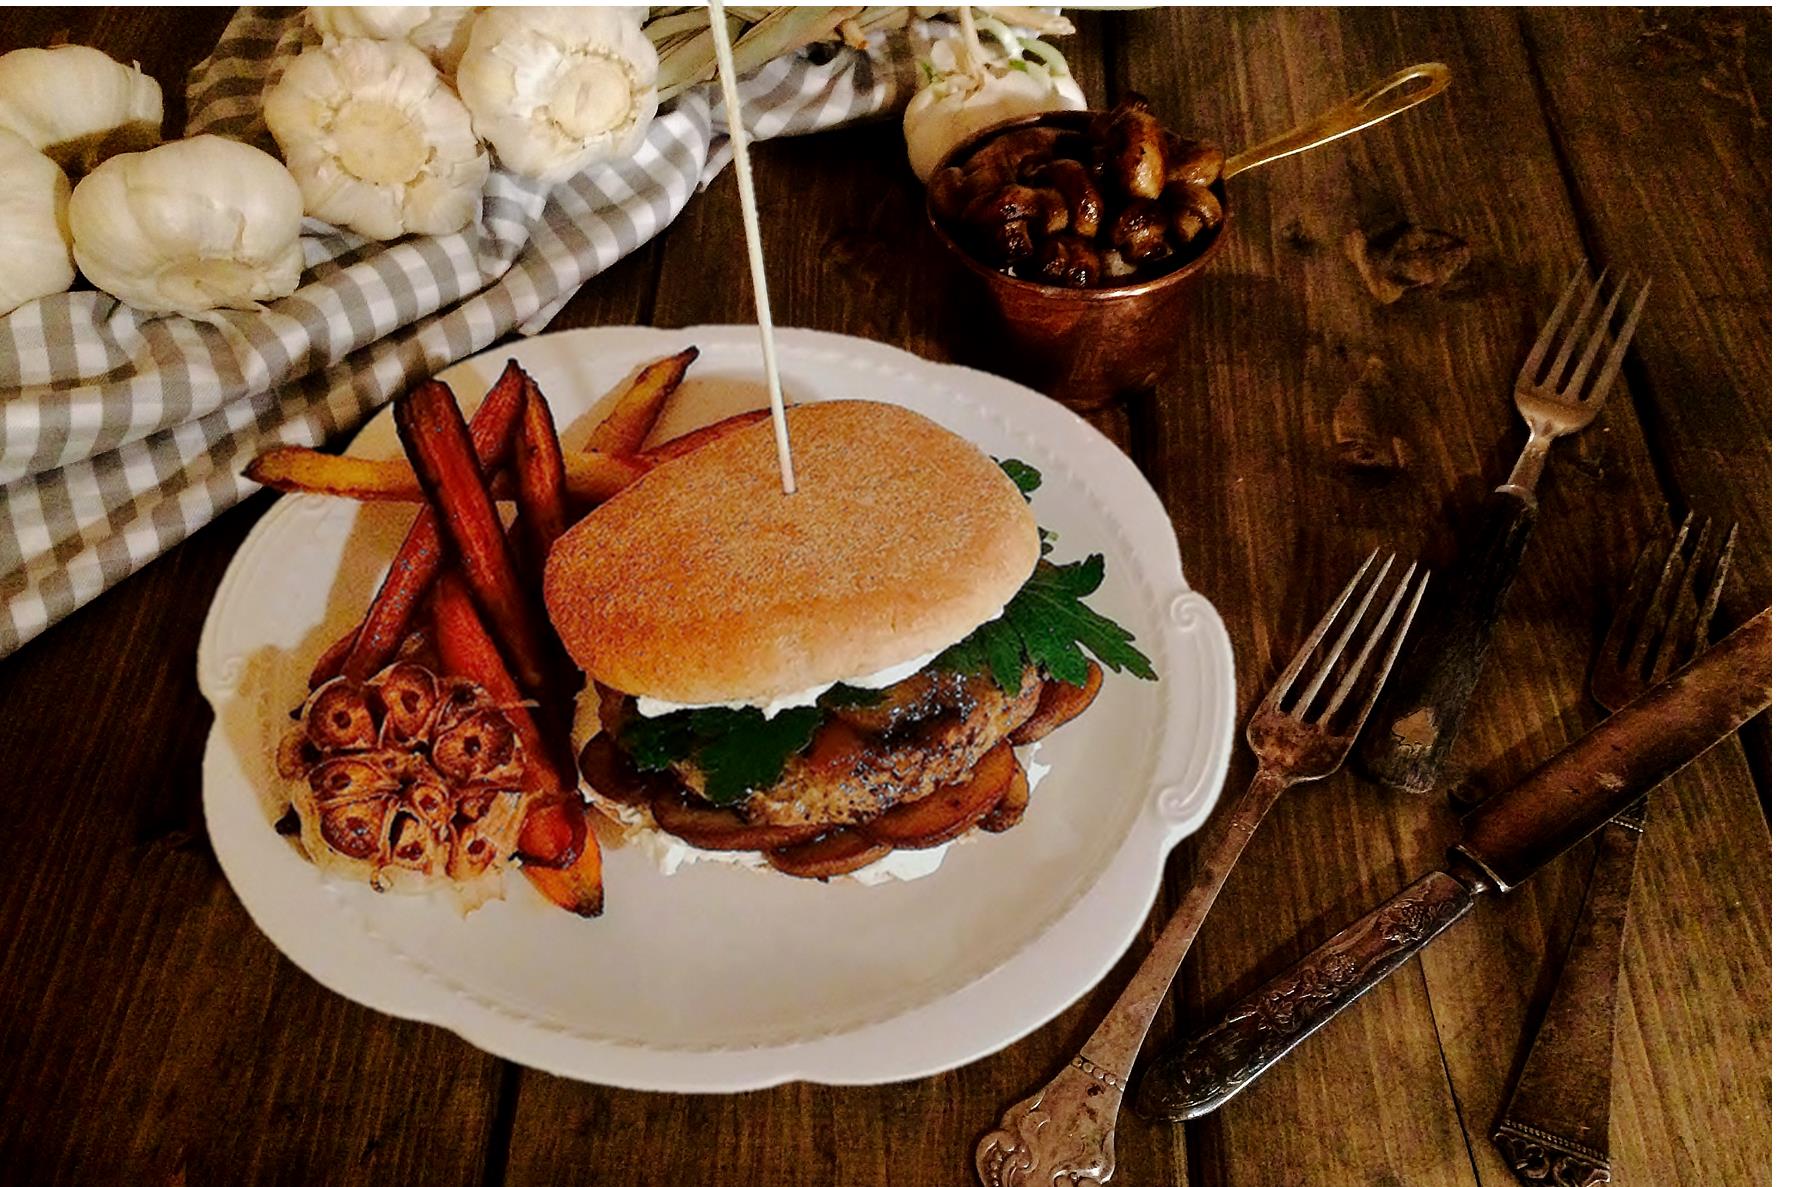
(1506, 840)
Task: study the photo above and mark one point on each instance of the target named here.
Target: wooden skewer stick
(750, 221)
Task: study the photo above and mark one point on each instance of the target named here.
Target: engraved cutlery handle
(1201, 1075)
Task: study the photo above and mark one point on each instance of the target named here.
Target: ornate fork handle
(1065, 1133)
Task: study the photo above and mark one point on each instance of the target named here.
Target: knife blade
(1506, 840)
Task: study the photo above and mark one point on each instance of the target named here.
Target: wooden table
(153, 1036)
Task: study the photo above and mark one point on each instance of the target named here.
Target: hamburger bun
(704, 582)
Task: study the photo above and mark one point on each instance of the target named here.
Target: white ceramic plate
(722, 978)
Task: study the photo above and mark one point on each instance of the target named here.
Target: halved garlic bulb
(191, 225)
(557, 89)
(78, 106)
(377, 141)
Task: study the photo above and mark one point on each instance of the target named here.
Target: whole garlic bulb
(557, 89)
(440, 31)
(192, 225)
(34, 225)
(377, 141)
(78, 106)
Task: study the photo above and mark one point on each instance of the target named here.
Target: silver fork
(1556, 1121)
(1413, 735)
(1066, 1132)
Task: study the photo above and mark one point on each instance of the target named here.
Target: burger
(834, 681)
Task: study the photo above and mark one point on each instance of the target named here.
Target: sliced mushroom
(949, 190)
(1070, 261)
(1135, 145)
(1195, 161)
(1010, 153)
(1009, 244)
(1071, 180)
(1190, 210)
(1139, 233)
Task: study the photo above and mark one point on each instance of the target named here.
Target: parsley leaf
(738, 750)
(1047, 623)
(1026, 477)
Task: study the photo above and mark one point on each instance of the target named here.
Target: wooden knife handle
(1200, 1075)
(1418, 720)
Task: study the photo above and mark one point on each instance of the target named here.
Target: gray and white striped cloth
(122, 434)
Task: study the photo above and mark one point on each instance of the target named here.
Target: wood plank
(1701, 377)
(1628, 90)
(1272, 516)
(164, 1036)
(848, 247)
(166, 1040)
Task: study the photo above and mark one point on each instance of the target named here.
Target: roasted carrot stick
(414, 567)
(541, 483)
(591, 477)
(698, 438)
(441, 451)
(560, 851)
(623, 431)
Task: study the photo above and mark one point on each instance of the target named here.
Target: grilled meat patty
(926, 732)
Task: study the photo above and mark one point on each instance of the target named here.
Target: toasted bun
(704, 582)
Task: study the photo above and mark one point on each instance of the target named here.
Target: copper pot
(1087, 347)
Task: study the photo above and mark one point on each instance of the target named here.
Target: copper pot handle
(1390, 97)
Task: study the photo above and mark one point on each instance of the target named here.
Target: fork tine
(1350, 679)
(1596, 339)
(1573, 336)
(1721, 569)
(1333, 653)
(1620, 343)
(1671, 648)
(1536, 359)
(1650, 627)
(1623, 633)
(1281, 688)
(1395, 648)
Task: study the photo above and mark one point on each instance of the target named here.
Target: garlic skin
(964, 94)
(191, 226)
(78, 106)
(440, 31)
(34, 225)
(376, 140)
(558, 89)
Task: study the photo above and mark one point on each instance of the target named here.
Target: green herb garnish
(1026, 477)
(738, 750)
(1047, 623)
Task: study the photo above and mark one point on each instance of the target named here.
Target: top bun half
(704, 582)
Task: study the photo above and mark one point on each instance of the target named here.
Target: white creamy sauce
(649, 707)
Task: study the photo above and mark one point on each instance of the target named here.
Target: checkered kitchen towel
(122, 434)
